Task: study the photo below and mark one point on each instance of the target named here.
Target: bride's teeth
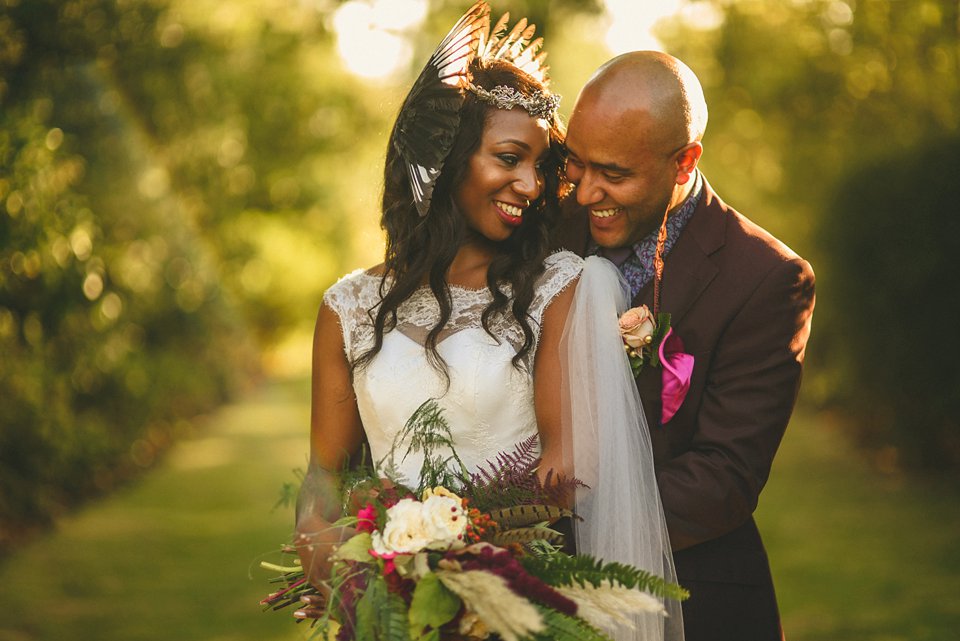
(510, 210)
(605, 213)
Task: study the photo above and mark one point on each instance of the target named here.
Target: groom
(741, 301)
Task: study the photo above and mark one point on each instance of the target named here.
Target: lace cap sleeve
(350, 298)
(560, 269)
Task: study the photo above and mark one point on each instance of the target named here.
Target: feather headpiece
(430, 116)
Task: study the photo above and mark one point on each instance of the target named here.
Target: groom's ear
(687, 158)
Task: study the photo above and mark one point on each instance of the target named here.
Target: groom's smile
(606, 213)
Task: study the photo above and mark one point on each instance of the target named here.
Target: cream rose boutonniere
(642, 333)
(637, 327)
(648, 339)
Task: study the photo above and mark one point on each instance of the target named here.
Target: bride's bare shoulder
(376, 270)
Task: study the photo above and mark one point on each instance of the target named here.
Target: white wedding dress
(489, 404)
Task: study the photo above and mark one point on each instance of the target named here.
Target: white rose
(445, 521)
(404, 532)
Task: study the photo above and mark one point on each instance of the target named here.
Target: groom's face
(623, 169)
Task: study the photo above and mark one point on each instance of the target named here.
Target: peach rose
(636, 327)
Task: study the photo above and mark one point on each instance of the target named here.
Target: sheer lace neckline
(355, 297)
(462, 288)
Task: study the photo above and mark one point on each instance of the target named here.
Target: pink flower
(367, 518)
(388, 557)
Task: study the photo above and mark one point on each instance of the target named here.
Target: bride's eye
(509, 160)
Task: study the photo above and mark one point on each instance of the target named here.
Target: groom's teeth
(510, 210)
(606, 213)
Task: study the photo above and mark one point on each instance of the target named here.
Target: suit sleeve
(749, 394)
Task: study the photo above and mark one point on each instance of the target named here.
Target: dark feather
(525, 535)
(430, 115)
(527, 515)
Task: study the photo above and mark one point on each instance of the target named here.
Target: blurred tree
(894, 250)
(803, 95)
(800, 93)
(145, 166)
(112, 322)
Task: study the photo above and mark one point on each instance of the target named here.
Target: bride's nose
(529, 184)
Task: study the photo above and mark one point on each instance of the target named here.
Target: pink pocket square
(677, 370)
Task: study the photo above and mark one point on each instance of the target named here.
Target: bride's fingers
(313, 608)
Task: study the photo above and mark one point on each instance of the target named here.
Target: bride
(470, 308)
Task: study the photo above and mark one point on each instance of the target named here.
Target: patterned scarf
(636, 262)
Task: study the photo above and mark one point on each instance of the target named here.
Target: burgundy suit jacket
(742, 302)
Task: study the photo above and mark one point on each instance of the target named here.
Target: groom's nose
(588, 192)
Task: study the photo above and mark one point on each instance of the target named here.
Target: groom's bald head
(654, 85)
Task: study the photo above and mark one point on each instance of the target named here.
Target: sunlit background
(180, 180)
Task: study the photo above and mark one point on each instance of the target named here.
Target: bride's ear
(687, 158)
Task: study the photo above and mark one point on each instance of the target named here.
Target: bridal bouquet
(465, 555)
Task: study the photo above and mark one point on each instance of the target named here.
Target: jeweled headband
(504, 97)
(430, 116)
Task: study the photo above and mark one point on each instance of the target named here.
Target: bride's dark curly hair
(422, 249)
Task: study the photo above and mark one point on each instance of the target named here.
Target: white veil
(606, 439)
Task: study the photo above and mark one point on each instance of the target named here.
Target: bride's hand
(314, 606)
(315, 542)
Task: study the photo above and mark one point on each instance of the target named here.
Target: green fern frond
(561, 627)
(426, 432)
(367, 622)
(563, 569)
(394, 622)
(288, 495)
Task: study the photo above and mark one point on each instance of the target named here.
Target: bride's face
(504, 174)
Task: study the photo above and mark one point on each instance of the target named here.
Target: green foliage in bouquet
(562, 627)
(425, 432)
(563, 569)
(429, 563)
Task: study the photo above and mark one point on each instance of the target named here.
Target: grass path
(169, 557)
(856, 556)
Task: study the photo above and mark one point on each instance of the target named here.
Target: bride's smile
(503, 176)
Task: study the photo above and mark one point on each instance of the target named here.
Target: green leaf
(345, 521)
(663, 325)
(432, 635)
(356, 549)
(432, 605)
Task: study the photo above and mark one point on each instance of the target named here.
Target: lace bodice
(488, 402)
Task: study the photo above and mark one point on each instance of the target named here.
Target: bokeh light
(373, 36)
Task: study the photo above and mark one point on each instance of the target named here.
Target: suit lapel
(688, 268)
